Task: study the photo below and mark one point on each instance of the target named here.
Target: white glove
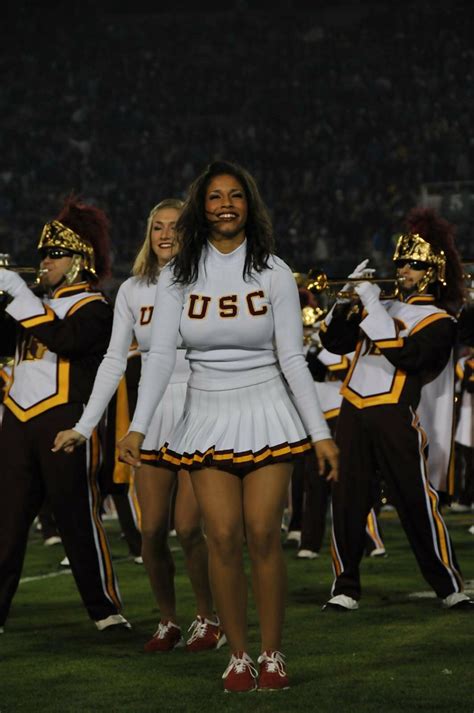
(361, 271)
(11, 282)
(369, 294)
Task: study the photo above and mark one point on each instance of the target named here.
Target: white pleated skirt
(237, 430)
(163, 423)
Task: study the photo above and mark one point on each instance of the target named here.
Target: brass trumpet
(310, 313)
(318, 282)
(5, 263)
(24, 270)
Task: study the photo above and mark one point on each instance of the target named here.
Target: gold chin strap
(429, 276)
(74, 269)
(412, 247)
(57, 235)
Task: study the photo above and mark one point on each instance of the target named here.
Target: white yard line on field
(67, 570)
(468, 589)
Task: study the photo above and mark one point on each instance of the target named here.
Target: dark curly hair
(440, 234)
(193, 228)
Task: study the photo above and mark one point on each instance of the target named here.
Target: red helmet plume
(92, 225)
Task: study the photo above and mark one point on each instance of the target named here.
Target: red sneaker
(166, 638)
(240, 675)
(272, 675)
(205, 635)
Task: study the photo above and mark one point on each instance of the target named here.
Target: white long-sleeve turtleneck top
(238, 332)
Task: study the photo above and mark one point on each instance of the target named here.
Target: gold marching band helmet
(57, 235)
(411, 246)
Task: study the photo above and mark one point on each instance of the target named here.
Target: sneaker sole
(178, 645)
(249, 690)
(466, 605)
(222, 641)
(116, 627)
(337, 608)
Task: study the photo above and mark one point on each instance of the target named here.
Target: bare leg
(154, 486)
(188, 527)
(264, 494)
(219, 495)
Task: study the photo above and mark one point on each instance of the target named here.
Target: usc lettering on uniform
(254, 310)
(146, 313)
(228, 305)
(198, 305)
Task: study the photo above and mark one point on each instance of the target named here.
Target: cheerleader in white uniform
(155, 480)
(235, 305)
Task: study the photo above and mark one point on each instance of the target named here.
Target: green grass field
(394, 654)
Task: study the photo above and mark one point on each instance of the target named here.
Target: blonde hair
(146, 264)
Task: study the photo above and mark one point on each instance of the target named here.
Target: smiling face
(163, 234)
(226, 210)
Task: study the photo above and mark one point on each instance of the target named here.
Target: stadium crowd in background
(340, 116)
(345, 119)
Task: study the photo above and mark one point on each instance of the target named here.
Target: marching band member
(401, 346)
(60, 338)
(155, 481)
(236, 306)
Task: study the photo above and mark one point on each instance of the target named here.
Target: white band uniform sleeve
(378, 324)
(112, 368)
(25, 304)
(289, 344)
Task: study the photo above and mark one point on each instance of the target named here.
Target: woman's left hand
(327, 453)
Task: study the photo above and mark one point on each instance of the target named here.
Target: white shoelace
(163, 629)
(274, 663)
(240, 664)
(198, 629)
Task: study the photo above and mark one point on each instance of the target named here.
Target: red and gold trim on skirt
(230, 461)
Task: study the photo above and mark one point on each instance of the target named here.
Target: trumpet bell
(317, 281)
(311, 315)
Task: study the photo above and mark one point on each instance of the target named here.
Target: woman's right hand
(327, 455)
(129, 448)
(67, 441)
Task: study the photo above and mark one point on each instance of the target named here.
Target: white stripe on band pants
(29, 471)
(387, 438)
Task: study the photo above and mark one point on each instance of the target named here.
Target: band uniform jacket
(404, 355)
(59, 344)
